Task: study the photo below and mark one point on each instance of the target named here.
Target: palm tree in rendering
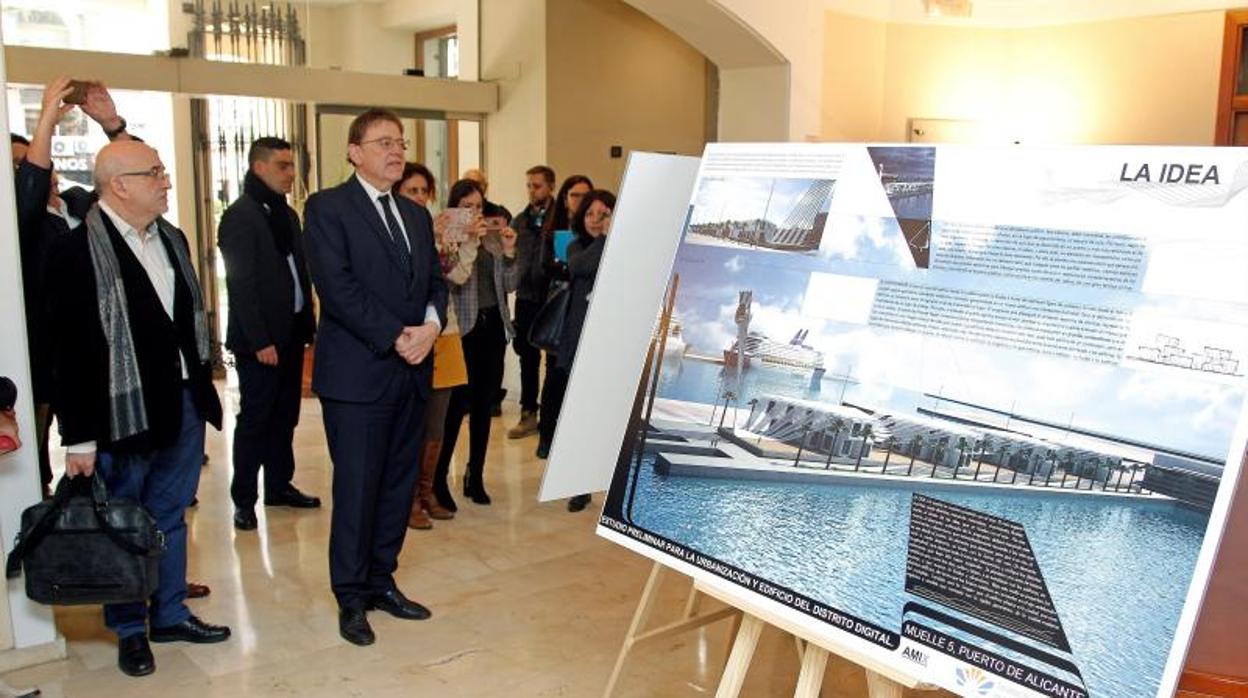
(890, 443)
(984, 446)
(836, 424)
(866, 445)
(915, 445)
(962, 446)
(1050, 457)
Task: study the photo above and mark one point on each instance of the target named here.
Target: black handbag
(82, 548)
(547, 325)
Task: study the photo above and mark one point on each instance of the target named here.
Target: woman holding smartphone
(479, 298)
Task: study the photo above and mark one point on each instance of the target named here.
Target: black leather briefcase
(81, 548)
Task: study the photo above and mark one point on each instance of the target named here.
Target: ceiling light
(947, 8)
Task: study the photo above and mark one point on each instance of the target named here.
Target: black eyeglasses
(156, 172)
(387, 143)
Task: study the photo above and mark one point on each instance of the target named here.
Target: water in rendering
(1117, 571)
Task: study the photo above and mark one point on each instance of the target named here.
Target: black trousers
(530, 356)
(552, 401)
(484, 349)
(268, 413)
(375, 449)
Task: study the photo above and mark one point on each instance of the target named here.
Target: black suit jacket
(80, 352)
(367, 297)
(262, 292)
(37, 232)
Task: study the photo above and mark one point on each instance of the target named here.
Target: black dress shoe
(293, 498)
(578, 503)
(399, 606)
(245, 519)
(354, 628)
(480, 496)
(134, 656)
(543, 449)
(191, 630)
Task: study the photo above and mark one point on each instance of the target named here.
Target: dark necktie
(396, 232)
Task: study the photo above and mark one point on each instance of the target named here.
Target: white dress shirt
(374, 195)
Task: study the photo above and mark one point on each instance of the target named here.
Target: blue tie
(396, 232)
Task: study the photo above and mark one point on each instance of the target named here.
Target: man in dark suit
(133, 384)
(271, 321)
(383, 303)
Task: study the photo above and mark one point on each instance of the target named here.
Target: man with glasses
(133, 385)
(271, 321)
(383, 303)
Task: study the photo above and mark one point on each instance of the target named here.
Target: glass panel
(437, 158)
(1241, 86)
(77, 138)
(115, 26)
(441, 56)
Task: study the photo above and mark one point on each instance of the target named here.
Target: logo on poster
(976, 680)
(915, 655)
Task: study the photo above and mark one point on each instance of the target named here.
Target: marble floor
(526, 601)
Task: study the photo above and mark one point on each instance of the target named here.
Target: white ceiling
(1028, 12)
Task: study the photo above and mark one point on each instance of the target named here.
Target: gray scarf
(128, 413)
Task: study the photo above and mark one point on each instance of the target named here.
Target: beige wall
(616, 77)
(513, 55)
(1142, 80)
(853, 78)
(355, 37)
(795, 28)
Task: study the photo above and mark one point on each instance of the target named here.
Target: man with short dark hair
(383, 303)
(18, 145)
(133, 385)
(531, 291)
(271, 321)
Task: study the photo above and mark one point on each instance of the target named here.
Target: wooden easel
(748, 624)
(690, 619)
(882, 681)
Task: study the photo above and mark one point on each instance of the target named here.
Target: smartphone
(457, 223)
(492, 241)
(78, 92)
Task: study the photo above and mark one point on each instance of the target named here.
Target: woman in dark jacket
(589, 225)
(571, 192)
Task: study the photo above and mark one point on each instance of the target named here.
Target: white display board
(651, 210)
(972, 414)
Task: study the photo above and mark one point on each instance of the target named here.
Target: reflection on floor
(527, 601)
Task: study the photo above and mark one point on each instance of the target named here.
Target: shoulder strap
(27, 540)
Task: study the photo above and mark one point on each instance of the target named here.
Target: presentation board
(641, 244)
(970, 413)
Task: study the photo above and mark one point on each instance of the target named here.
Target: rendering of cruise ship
(796, 354)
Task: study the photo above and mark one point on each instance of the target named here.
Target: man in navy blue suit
(383, 302)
